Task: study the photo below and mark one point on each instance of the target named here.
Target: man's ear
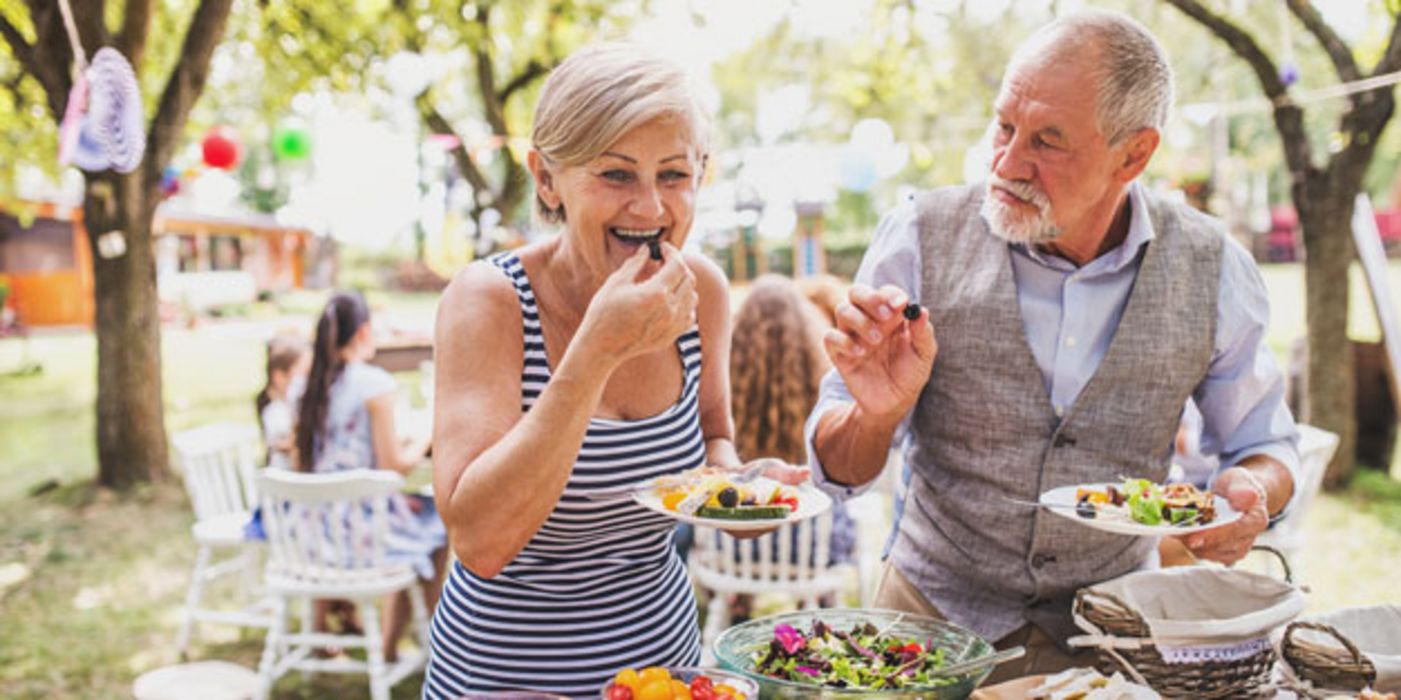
(1136, 152)
(544, 179)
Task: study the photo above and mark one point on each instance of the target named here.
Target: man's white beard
(1013, 225)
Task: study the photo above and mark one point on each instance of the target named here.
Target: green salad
(863, 658)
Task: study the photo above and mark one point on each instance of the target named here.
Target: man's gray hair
(1135, 80)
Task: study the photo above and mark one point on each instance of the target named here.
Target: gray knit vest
(984, 429)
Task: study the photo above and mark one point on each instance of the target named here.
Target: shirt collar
(1139, 235)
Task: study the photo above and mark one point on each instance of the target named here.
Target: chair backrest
(326, 528)
(1316, 448)
(218, 463)
(795, 553)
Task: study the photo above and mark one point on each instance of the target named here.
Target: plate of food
(722, 499)
(1141, 507)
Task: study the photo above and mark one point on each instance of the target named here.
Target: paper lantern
(103, 126)
(221, 148)
(291, 142)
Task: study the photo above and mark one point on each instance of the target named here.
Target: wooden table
(403, 355)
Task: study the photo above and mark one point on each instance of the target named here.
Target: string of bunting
(1261, 104)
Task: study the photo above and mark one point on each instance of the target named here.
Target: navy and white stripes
(599, 587)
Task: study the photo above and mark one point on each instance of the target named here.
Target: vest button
(1063, 441)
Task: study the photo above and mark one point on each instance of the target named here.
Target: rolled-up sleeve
(893, 258)
(1242, 396)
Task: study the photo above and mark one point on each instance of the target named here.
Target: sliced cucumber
(745, 512)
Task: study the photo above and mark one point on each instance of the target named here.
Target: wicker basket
(1249, 677)
(1325, 665)
(1207, 680)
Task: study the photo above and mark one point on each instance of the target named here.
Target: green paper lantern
(291, 142)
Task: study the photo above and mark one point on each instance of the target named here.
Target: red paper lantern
(221, 148)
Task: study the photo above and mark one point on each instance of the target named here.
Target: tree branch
(185, 85)
(1288, 117)
(1390, 62)
(534, 69)
(136, 27)
(92, 31)
(1240, 42)
(24, 53)
(1338, 52)
(439, 124)
(51, 56)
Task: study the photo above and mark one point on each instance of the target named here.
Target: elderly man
(1076, 313)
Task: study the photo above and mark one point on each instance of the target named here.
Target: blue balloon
(856, 170)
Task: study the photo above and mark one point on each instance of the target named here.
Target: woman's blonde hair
(776, 364)
(600, 93)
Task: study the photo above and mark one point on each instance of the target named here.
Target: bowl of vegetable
(855, 653)
(678, 683)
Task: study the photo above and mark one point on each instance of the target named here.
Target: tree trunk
(131, 442)
(1325, 213)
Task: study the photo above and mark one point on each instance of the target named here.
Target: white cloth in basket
(1202, 613)
(1375, 631)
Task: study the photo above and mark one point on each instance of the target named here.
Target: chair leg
(308, 622)
(192, 597)
(267, 666)
(248, 572)
(717, 618)
(374, 652)
(420, 616)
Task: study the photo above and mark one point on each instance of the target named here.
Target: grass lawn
(91, 585)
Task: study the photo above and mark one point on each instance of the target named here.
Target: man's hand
(884, 359)
(1229, 543)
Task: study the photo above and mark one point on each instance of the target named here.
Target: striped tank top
(599, 587)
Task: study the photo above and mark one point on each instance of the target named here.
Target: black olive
(1085, 509)
(728, 497)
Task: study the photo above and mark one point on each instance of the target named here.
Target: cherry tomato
(700, 682)
(679, 691)
(628, 679)
(703, 692)
(655, 673)
(619, 692)
(655, 690)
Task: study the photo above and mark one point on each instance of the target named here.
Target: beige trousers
(1043, 656)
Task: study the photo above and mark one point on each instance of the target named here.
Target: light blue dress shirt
(1070, 315)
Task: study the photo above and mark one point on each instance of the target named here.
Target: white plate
(1062, 503)
(811, 502)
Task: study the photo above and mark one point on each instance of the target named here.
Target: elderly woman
(574, 365)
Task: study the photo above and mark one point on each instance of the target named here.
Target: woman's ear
(544, 179)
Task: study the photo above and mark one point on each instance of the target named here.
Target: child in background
(345, 421)
(288, 360)
(776, 364)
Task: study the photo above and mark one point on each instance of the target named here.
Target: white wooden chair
(326, 539)
(1316, 448)
(790, 560)
(218, 463)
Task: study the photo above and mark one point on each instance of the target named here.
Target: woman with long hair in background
(346, 421)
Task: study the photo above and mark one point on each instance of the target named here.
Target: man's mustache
(1025, 191)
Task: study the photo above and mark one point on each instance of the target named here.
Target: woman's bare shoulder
(710, 279)
(479, 298)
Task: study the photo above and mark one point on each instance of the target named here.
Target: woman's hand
(642, 307)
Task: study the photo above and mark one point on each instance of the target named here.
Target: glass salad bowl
(749, 689)
(735, 649)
